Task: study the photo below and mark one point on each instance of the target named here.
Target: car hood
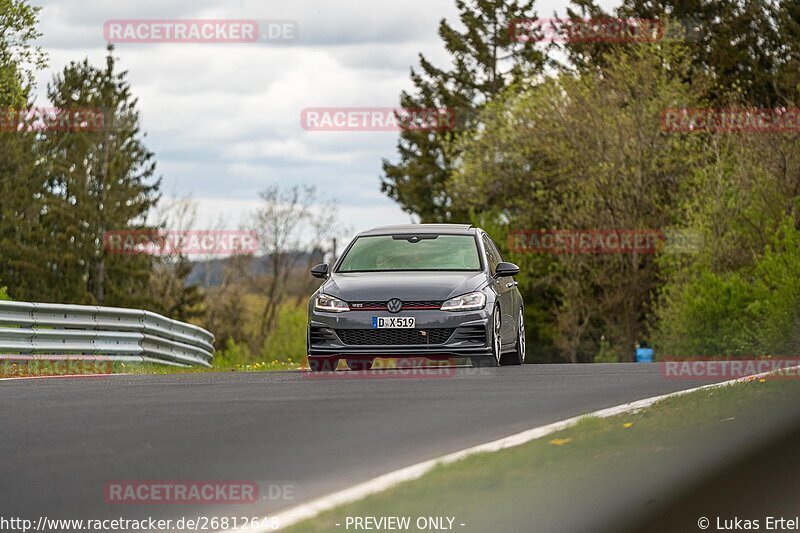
(382, 286)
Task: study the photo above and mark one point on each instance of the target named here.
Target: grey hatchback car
(421, 290)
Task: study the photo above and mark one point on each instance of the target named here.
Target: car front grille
(375, 305)
(394, 337)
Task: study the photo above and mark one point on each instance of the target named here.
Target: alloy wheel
(521, 336)
(496, 338)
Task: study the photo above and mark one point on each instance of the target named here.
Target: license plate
(393, 322)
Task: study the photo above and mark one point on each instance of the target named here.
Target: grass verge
(542, 485)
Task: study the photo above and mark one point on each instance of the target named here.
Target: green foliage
(100, 181)
(62, 191)
(485, 61)
(747, 49)
(170, 295)
(4, 294)
(584, 149)
(529, 169)
(19, 56)
(605, 354)
(777, 309)
(21, 184)
(232, 354)
(706, 317)
(746, 312)
(287, 340)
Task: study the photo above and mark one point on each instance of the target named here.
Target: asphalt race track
(297, 434)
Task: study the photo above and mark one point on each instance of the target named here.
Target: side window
(496, 251)
(491, 254)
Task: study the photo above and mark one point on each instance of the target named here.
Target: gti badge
(394, 305)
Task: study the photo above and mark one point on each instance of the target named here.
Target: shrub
(748, 312)
(287, 339)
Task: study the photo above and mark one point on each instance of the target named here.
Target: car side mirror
(505, 269)
(321, 271)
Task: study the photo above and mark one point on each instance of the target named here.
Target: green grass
(59, 368)
(283, 349)
(501, 490)
(259, 366)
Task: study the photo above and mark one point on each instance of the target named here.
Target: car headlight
(323, 302)
(466, 302)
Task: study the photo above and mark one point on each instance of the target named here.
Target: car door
(505, 288)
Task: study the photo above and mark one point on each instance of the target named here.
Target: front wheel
(517, 357)
(496, 340)
(323, 364)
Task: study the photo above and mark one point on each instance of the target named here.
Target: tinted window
(418, 252)
(492, 256)
(495, 250)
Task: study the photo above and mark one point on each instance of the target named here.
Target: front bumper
(469, 337)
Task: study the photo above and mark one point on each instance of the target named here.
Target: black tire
(359, 364)
(323, 364)
(517, 357)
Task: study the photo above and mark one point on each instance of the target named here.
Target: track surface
(306, 435)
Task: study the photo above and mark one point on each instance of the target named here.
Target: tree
(100, 181)
(227, 313)
(19, 57)
(745, 49)
(530, 165)
(485, 60)
(167, 287)
(290, 224)
(787, 80)
(21, 184)
(739, 295)
(737, 45)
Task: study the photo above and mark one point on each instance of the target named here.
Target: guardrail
(36, 330)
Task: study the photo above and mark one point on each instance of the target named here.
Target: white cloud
(224, 119)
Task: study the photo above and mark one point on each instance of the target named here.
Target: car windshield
(382, 253)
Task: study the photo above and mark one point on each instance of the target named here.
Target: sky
(224, 119)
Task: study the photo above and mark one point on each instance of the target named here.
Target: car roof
(461, 229)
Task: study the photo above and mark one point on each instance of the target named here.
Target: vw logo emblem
(394, 305)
